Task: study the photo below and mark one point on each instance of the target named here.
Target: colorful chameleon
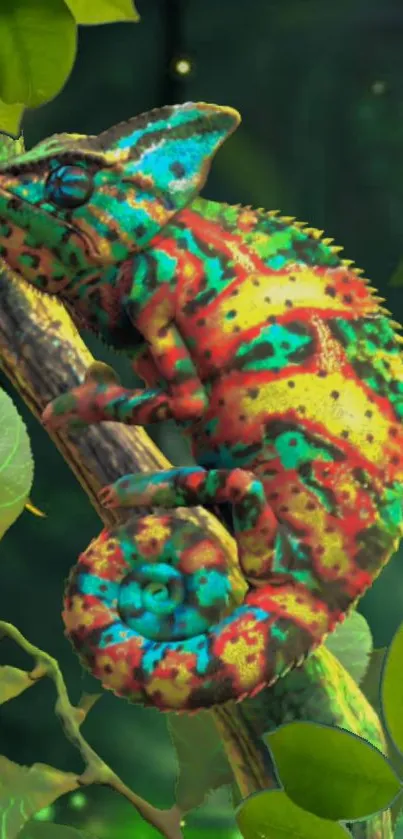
(271, 351)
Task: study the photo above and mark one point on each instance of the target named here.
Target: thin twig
(96, 770)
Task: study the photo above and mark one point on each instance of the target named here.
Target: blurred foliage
(319, 87)
(39, 43)
(351, 643)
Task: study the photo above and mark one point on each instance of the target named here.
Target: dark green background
(319, 85)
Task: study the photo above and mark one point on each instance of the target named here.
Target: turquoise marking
(210, 586)
(98, 587)
(294, 449)
(114, 634)
(281, 344)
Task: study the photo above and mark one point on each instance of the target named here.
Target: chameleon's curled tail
(143, 609)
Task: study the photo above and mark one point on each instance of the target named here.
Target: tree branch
(43, 355)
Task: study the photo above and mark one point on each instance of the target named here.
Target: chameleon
(275, 357)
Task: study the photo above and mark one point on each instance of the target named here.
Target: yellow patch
(117, 678)
(174, 692)
(202, 555)
(245, 654)
(334, 415)
(153, 529)
(257, 302)
(308, 612)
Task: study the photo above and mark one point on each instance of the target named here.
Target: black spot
(111, 235)
(177, 169)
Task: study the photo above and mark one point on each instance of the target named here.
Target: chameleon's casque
(279, 362)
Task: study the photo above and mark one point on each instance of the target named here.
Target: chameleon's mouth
(88, 244)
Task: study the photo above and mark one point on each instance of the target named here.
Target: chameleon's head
(75, 203)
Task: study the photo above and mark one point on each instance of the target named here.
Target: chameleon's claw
(128, 491)
(58, 413)
(108, 497)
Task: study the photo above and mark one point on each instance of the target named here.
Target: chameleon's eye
(68, 187)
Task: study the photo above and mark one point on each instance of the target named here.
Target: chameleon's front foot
(101, 398)
(84, 404)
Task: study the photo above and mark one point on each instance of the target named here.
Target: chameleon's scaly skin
(250, 330)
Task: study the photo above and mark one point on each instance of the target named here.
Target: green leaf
(351, 642)
(371, 683)
(272, 815)
(10, 120)
(332, 773)
(16, 463)
(392, 690)
(13, 682)
(38, 47)
(103, 11)
(197, 735)
(24, 791)
(50, 830)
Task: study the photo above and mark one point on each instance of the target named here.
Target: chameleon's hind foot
(138, 490)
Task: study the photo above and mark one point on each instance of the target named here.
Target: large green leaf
(272, 815)
(351, 643)
(24, 791)
(392, 690)
(38, 46)
(332, 773)
(103, 11)
(16, 463)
